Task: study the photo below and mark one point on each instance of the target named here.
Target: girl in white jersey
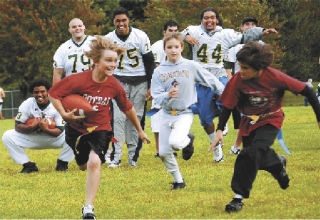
(173, 87)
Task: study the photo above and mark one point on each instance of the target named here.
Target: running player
(173, 87)
(232, 67)
(210, 44)
(37, 135)
(257, 91)
(70, 57)
(160, 57)
(134, 71)
(90, 137)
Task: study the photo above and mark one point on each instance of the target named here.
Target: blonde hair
(175, 35)
(99, 44)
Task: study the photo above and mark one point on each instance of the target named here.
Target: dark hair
(213, 10)
(120, 11)
(170, 23)
(257, 55)
(39, 82)
(250, 19)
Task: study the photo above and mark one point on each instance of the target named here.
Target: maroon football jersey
(260, 96)
(98, 94)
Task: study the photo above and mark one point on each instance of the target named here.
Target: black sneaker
(175, 154)
(175, 185)
(189, 149)
(234, 206)
(282, 177)
(61, 165)
(29, 167)
(88, 212)
(156, 155)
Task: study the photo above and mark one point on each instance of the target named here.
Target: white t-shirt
(131, 63)
(70, 56)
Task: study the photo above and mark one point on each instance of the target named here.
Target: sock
(212, 136)
(238, 196)
(177, 176)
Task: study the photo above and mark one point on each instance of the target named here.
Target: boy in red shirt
(257, 91)
(98, 86)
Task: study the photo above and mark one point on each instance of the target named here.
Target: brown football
(78, 102)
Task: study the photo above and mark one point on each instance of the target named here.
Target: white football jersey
(158, 52)
(70, 56)
(159, 57)
(232, 55)
(213, 48)
(30, 109)
(131, 63)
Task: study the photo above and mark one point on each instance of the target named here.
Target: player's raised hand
(270, 31)
(219, 137)
(192, 40)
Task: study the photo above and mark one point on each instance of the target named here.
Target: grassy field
(144, 192)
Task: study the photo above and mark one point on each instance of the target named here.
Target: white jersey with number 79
(70, 56)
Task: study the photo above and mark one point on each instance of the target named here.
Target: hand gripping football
(78, 102)
(51, 122)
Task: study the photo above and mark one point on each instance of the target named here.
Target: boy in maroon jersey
(257, 91)
(89, 136)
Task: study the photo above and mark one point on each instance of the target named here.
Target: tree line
(32, 30)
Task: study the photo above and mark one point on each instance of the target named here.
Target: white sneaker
(133, 163)
(225, 131)
(88, 212)
(108, 160)
(218, 153)
(114, 164)
(234, 150)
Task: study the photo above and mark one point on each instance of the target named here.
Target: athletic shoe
(234, 206)
(133, 163)
(189, 149)
(234, 150)
(61, 165)
(29, 167)
(175, 154)
(88, 212)
(156, 155)
(175, 185)
(225, 131)
(114, 164)
(218, 153)
(282, 177)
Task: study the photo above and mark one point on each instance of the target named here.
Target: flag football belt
(255, 118)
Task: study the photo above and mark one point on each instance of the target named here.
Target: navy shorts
(206, 107)
(98, 141)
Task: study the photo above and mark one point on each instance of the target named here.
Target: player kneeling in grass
(173, 87)
(89, 136)
(37, 134)
(257, 91)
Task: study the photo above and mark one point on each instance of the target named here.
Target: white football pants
(173, 133)
(15, 142)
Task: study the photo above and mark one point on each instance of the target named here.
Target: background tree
(300, 36)
(31, 31)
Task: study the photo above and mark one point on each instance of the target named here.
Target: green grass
(144, 192)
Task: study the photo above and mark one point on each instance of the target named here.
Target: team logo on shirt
(258, 100)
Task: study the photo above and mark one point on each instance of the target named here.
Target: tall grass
(144, 192)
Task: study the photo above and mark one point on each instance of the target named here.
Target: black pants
(256, 155)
